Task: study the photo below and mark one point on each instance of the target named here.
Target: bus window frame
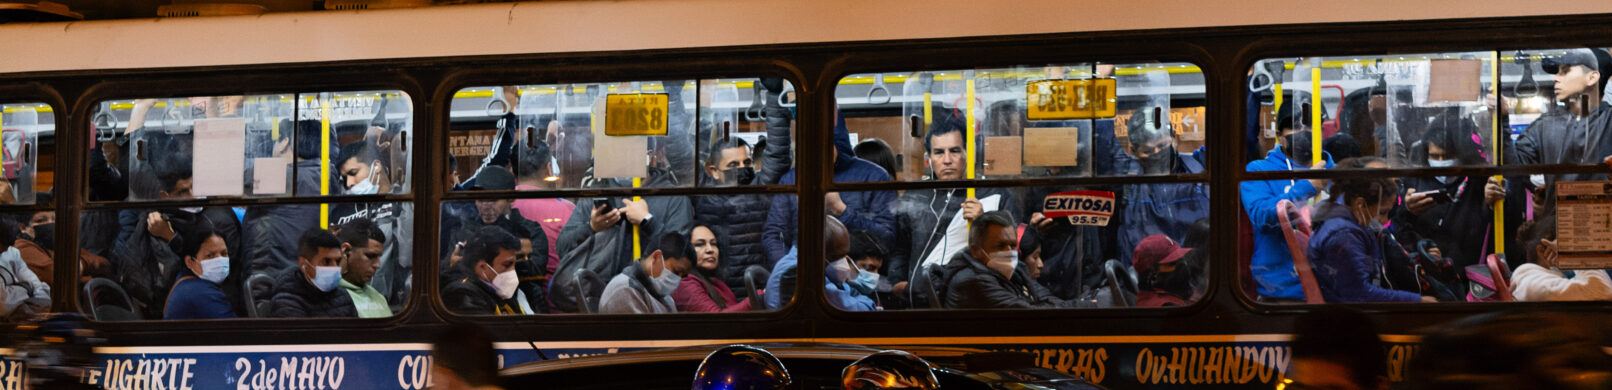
(250, 80)
(1017, 54)
(524, 75)
(1383, 43)
(40, 93)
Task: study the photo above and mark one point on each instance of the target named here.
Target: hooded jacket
(1348, 261)
(969, 284)
(1272, 263)
(864, 210)
(633, 291)
(298, 298)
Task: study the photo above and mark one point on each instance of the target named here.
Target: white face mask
(215, 269)
(326, 278)
(505, 282)
(842, 270)
(1003, 262)
(1537, 180)
(367, 186)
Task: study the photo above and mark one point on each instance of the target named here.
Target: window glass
(26, 130)
(1433, 236)
(1064, 120)
(240, 262)
(693, 133)
(341, 143)
(26, 265)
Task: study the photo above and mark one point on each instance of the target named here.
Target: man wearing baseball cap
(1577, 135)
(1156, 260)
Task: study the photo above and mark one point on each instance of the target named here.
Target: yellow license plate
(1070, 99)
(631, 114)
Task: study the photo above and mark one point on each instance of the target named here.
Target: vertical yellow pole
(1315, 114)
(1494, 150)
(968, 139)
(637, 247)
(929, 113)
(3, 110)
(324, 161)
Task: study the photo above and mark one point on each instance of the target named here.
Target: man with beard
(363, 243)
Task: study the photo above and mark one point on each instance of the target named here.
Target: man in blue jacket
(863, 210)
(1272, 262)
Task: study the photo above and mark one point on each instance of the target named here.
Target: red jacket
(691, 297)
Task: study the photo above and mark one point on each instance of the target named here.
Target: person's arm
(876, 216)
(576, 227)
(982, 291)
(1531, 282)
(287, 306)
(1352, 280)
(1260, 199)
(779, 220)
(897, 263)
(775, 160)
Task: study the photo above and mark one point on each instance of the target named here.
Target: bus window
(1105, 245)
(342, 143)
(21, 127)
(241, 262)
(26, 265)
(1050, 121)
(705, 133)
(1443, 235)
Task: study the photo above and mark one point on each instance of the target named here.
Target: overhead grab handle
(878, 94)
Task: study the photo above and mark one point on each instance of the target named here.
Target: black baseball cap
(495, 178)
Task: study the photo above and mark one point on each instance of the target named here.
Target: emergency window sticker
(636, 114)
(1070, 99)
(1584, 224)
(1092, 208)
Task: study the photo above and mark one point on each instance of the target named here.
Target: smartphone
(1438, 196)
(604, 203)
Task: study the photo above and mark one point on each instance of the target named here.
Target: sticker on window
(1082, 207)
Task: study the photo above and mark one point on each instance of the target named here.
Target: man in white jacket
(646, 286)
(1539, 280)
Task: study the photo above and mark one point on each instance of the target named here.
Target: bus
(403, 170)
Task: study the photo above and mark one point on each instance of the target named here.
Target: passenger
(362, 244)
(775, 154)
(1272, 264)
(1346, 251)
(274, 230)
(876, 151)
(1341, 146)
(700, 290)
(846, 286)
(147, 260)
(1158, 270)
(1030, 246)
(740, 218)
(1460, 228)
(606, 233)
(1511, 350)
(35, 240)
(309, 290)
(868, 254)
(196, 295)
(363, 169)
(1157, 208)
(1539, 280)
(987, 275)
(926, 218)
(487, 281)
(463, 358)
(495, 213)
(33, 295)
(451, 176)
(532, 169)
(1563, 136)
(866, 210)
(647, 286)
(1337, 348)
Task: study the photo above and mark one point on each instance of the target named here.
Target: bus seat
(1298, 240)
(754, 276)
(255, 307)
(923, 288)
(1121, 283)
(1502, 276)
(588, 288)
(109, 312)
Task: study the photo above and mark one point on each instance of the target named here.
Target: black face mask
(739, 176)
(529, 267)
(1159, 162)
(45, 235)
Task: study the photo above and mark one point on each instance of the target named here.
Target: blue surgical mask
(326, 278)
(865, 282)
(1441, 164)
(215, 269)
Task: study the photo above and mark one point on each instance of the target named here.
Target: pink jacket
(691, 297)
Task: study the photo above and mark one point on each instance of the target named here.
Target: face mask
(740, 176)
(45, 234)
(865, 282)
(667, 282)
(1441, 164)
(191, 210)
(842, 271)
(367, 186)
(1003, 262)
(215, 269)
(505, 282)
(325, 278)
(1537, 180)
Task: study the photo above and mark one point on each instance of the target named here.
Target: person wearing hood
(989, 274)
(861, 210)
(1272, 263)
(702, 290)
(1462, 225)
(310, 288)
(196, 295)
(487, 281)
(1157, 208)
(738, 217)
(1347, 249)
(362, 244)
(647, 286)
(924, 217)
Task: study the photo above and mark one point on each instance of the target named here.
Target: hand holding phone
(1437, 195)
